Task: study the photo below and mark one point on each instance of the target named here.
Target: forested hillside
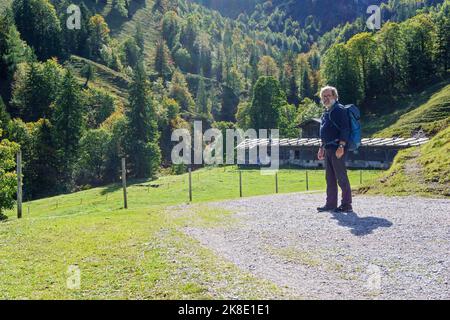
(76, 101)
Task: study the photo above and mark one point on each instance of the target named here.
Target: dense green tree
(189, 33)
(203, 104)
(179, 91)
(308, 109)
(266, 107)
(92, 159)
(363, 50)
(234, 80)
(116, 147)
(36, 88)
(39, 26)
(420, 38)
(304, 75)
(183, 59)
(391, 44)
(339, 70)
(131, 53)
(139, 38)
(171, 26)
(42, 165)
(290, 82)
(13, 52)
(8, 178)
(167, 122)
(68, 122)
(99, 105)
(98, 36)
(443, 40)
(142, 129)
(4, 115)
(268, 67)
(163, 61)
(23, 134)
(16, 51)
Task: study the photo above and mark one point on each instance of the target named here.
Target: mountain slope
(423, 170)
(328, 13)
(430, 117)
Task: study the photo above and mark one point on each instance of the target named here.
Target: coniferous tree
(180, 92)
(142, 129)
(43, 164)
(203, 104)
(163, 61)
(4, 115)
(68, 123)
(39, 26)
(98, 36)
(37, 89)
(304, 75)
(13, 51)
(139, 39)
(171, 28)
(266, 107)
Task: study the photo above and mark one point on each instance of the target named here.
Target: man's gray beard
(332, 102)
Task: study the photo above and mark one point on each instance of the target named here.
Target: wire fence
(195, 186)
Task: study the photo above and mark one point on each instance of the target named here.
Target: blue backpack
(354, 116)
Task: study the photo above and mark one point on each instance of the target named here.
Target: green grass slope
(431, 117)
(142, 252)
(424, 170)
(112, 81)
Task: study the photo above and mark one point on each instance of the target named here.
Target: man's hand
(321, 154)
(339, 153)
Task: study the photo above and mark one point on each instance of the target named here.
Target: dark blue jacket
(331, 133)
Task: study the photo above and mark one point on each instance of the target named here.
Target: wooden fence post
(276, 182)
(307, 181)
(124, 183)
(190, 184)
(240, 183)
(19, 184)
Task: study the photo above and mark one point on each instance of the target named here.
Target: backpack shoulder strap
(332, 121)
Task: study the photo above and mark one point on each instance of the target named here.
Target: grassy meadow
(141, 252)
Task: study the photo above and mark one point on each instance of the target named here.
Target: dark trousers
(336, 173)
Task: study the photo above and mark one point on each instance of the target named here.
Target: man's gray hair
(333, 89)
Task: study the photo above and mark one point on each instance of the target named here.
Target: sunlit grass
(142, 252)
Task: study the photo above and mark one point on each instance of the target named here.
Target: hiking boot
(326, 208)
(344, 208)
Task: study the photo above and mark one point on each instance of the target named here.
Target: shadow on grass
(132, 182)
(3, 217)
(360, 226)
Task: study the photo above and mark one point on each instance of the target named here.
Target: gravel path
(391, 248)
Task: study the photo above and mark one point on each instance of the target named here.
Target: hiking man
(334, 134)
